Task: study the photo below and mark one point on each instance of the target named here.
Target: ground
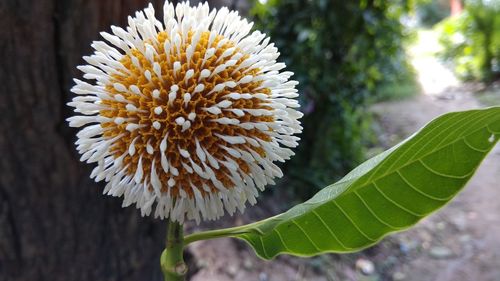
(459, 242)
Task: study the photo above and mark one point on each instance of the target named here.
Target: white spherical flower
(186, 116)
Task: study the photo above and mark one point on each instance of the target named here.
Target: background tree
(54, 224)
(471, 40)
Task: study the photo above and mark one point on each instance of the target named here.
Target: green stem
(225, 232)
(212, 234)
(172, 260)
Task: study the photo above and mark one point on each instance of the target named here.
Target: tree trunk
(54, 222)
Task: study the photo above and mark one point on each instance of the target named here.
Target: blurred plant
(472, 40)
(430, 12)
(341, 52)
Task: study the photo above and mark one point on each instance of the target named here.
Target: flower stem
(172, 260)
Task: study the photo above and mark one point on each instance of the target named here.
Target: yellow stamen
(163, 106)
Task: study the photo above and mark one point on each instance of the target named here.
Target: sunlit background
(371, 73)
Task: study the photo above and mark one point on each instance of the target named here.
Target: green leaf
(390, 192)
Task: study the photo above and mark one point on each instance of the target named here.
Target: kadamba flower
(186, 116)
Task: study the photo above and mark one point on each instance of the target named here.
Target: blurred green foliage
(430, 12)
(342, 53)
(472, 40)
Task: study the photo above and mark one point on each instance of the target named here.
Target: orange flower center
(176, 97)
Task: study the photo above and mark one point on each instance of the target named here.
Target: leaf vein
(263, 246)
(473, 147)
(443, 174)
(353, 223)
(375, 215)
(307, 236)
(330, 230)
(395, 203)
(491, 130)
(420, 191)
(282, 241)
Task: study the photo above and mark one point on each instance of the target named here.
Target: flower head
(187, 115)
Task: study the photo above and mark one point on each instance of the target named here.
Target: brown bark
(54, 222)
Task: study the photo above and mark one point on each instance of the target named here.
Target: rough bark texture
(54, 222)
